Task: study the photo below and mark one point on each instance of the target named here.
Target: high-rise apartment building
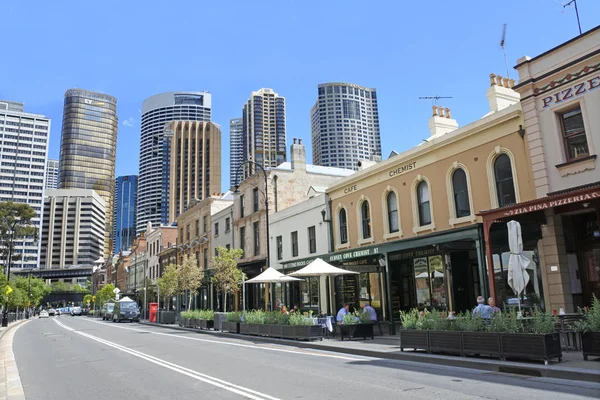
(52, 174)
(88, 148)
(23, 153)
(195, 164)
(264, 130)
(124, 212)
(345, 126)
(236, 149)
(153, 181)
(73, 228)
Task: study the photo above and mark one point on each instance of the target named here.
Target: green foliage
(350, 319)
(234, 316)
(15, 221)
(189, 276)
(34, 286)
(187, 314)
(298, 318)
(466, 322)
(226, 276)
(591, 317)
(410, 318)
(255, 317)
(168, 283)
(87, 299)
(17, 298)
(541, 322)
(105, 294)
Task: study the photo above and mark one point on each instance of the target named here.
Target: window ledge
(576, 166)
(394, 235)
(365, 241)
(343, 246)
(469, 218)
(419, 229)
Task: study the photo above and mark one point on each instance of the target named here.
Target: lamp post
(265, 193)
(10, 255)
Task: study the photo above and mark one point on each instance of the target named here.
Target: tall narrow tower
(236, 149)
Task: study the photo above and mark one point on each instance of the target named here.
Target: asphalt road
(70, 358)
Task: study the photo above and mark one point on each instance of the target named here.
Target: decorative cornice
(573, 75)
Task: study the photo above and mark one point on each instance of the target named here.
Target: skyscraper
(153, 182)
(236, 148)
(195, 164)
(88, 148)
(52, 174)
(345, 125)
(23, 153)
(264, 129)
(124, 212)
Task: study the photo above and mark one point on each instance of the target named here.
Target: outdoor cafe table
(325, 322)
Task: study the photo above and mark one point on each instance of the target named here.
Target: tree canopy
(105, 294)
(168, 283)
(15, 221)
(189, 276)
(227, 277)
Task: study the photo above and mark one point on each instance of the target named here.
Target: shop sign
(402, 169)
(409, 255)
(352, 254)
(552, 203)
(571, 92)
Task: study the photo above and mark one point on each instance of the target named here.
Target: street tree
(189, 276)
(35, 288)
(17, 298)
(227, 277)
(105, 294)
(87, 299)
(168, 283)
(15, 221)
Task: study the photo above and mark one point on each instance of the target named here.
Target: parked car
(58, 312)
(44, 314)
(126, 311)
(107, 311)
(52, 312)
(75, 311)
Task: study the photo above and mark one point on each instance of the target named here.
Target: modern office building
(88, 148)
(264, 130)
(153, 181)
(73, 229)
(124, 213)
(23, 153)
(52, 174)
(345, 126)
(236, 148)
(195, 164)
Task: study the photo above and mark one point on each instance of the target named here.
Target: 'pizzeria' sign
(552, 203)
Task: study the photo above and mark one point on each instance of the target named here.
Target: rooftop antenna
(503, 45)
(434, 98)
(574, 2)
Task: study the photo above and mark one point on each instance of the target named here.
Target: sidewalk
(572, 367)
(10, 381)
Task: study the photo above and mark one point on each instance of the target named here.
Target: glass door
(591, 263)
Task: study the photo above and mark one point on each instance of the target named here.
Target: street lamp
(266, 194)
(10, 248)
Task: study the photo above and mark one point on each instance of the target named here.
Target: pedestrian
(482, 310)
(492, 304)
(283, 309)
(343, 311)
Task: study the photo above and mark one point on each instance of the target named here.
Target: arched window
(365, 217)
(343, 226)
(505, 187)
(424, 204)
(392, 209)
(461, 193)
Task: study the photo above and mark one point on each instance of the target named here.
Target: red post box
(153, 311)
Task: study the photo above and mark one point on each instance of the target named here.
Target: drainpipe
(275, 191)
(331, 244)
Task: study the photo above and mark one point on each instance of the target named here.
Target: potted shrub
(232, 322)
(356, 324)
(185, 318)
(476, 335)
(412, 336)
(205, 319)
(590, 329)
(253, 321)
(304, 327)
(443, 338)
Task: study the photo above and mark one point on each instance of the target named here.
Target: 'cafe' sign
(553, 203)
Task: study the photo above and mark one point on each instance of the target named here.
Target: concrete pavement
(64, 356)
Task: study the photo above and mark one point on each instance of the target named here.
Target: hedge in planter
(356, 325)
(590, 330)
(232, 323)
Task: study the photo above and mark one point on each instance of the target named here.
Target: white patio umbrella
(271, 275)
(125, 299)
(318, 267)
(518, 278)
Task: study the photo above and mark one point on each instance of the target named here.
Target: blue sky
(134, 49)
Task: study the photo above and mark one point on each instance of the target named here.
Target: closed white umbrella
(518, 278)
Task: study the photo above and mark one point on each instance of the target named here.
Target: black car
(126, 311)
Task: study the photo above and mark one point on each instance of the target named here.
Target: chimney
(500, 93)
(364, 164)
(441, 122)
(298, 155)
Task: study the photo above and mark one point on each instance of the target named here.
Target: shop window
(243, 240)
(295, 244)
(424, 204)
(256, 228)
(242, 205)
(255, 198)
(343, 219)
(392, 209)
(279, 247)
(462, 207)
(505, 188)
(573, 132)
(312, 240)
(365, 217)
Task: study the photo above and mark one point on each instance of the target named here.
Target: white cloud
(129, 122)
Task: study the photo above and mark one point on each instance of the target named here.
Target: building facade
(124, 231)
(560, 97)
(264, 130)
(52, 174)
(23, 154)
(158, 240)
(195, 164)
(345, 125)
(88, 148)
(158, 112)
(236, 149)
(73, 228)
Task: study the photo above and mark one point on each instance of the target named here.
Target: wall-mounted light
(521, 131)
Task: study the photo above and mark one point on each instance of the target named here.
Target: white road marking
(211, 380)
(222, 342)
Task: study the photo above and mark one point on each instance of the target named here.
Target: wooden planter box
(309, 332)
(288, 331)
(205, 324)
(194, 322)
(233, 327)
(590, 342)
(276, 331)
(414, 339)
(253, 329)
(263, 329)
(244, 329)
(166, 317)
(445, 342)
(487, 343)
(357, 330)
(531, 346)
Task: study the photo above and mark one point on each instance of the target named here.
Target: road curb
(12, 388)
(545, 371)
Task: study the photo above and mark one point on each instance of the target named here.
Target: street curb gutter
(545, 371)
